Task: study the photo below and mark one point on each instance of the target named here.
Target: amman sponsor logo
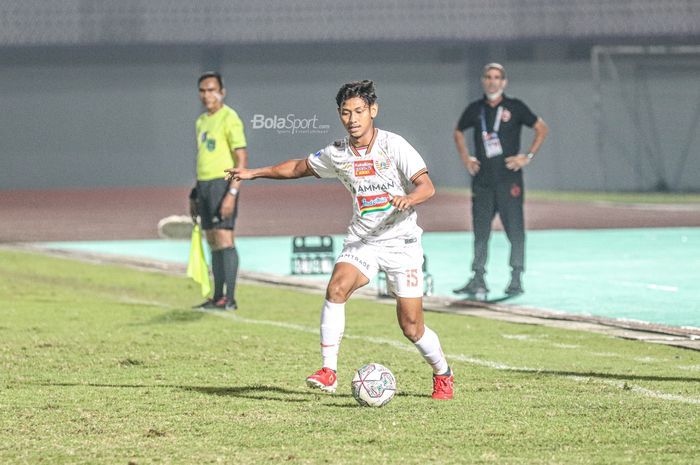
(289, 124)
(375, 187)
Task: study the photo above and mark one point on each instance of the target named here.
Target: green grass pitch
(108, 365)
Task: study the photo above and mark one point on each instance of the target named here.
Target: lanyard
(496, 124)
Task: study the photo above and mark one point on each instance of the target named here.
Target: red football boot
(442, 386)
(324, 379)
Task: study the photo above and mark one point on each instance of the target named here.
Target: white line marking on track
(661, 287)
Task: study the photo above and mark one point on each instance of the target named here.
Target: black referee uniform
(495, 188)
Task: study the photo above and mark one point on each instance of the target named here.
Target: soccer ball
(373, 385)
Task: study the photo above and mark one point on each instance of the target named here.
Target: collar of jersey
(369, 146)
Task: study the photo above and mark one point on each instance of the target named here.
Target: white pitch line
(637, 284)
(662, 287)
(471, 360)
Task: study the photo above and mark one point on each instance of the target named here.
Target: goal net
(647, 117)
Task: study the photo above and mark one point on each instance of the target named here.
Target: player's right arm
(464, 123)
(290, 169)
(471, 163)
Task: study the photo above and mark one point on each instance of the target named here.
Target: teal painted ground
(642, 274)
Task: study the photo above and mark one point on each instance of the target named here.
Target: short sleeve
(466, 121)
(527, 117)
(235, 135)
(321, 164)
(408, 160)
(197, 130)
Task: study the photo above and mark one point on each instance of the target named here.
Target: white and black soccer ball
(373, 385)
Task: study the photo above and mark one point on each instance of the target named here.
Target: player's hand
(238, 174)
(516, 162)
(401, 202)
(473, 166)
(227, 206)
(193, 210)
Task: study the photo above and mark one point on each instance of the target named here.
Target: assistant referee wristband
(233, 191)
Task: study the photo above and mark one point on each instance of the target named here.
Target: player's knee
(223, 240)
(412, 330)
(337, 292)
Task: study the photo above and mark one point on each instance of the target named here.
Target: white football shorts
(403, 265)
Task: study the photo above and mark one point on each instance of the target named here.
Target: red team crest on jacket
(364, 168)
(515, 190)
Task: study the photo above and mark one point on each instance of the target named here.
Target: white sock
(332, 328)
(429, 347)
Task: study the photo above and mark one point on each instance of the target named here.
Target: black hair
(212, 74)
(362, 89)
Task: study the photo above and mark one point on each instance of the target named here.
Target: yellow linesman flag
(197, 268)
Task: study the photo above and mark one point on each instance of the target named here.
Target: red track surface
(286, 208)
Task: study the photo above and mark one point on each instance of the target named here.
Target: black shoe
(211, 304)
(475, 286)
(231, 305)
(515, 287)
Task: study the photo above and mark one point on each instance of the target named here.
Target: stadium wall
(123, 116)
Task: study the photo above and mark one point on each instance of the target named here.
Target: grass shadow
(173, 317)
(254, 391)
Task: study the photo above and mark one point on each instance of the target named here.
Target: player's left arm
(520, 160)
(423, 190)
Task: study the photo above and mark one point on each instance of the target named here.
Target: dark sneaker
(516, 286)
(231, 305)
(475, 286)
(211, 304)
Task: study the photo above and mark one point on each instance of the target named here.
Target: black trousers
(506, 199)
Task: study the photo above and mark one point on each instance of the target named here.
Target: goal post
(646, 116)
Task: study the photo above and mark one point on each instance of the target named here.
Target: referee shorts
(210, 194)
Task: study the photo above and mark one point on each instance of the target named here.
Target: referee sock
(429, 348)
(217, 268)
(230, 259)
(332, 329)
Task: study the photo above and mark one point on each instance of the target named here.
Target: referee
(221, 145)
(496, 170)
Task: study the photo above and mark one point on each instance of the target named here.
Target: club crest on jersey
(505, 117)
(382, 162)
(373, 203)
(211, 145)
(364, 168)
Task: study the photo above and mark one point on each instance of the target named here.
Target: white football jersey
(386, 168)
